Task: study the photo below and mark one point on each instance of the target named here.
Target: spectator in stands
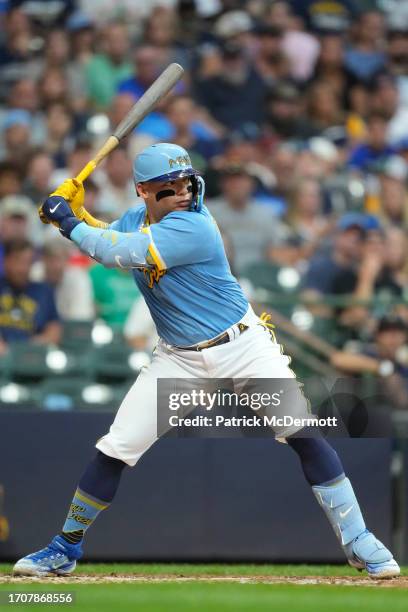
(306, 222)
(270, 60)
(189, 131)
(16, 216)
(365, 56)
(148, 63)
(237, 80)
(15, 48)
(335, 16)
(117, 189)
(109, 67)
(76, 160)
(397, 51)
(10, 179)
(282, 162)
(16, 220)
(324, 107)
(60, 133)
(57, 56)
(130, 11)
(37, 184)
(139, 329)
(24, 95)
(113, 293)
(161, 30)
(27, 309)
(369, 155)
(82, 36)
(385, 98)
(119, 108)
(330, 63)
(300, 48)
(391, 336)
(17, 137)
(335, 272)
(284, 115)
(385, 358)
(53, 87)
(393, 193)
(71, 284)
(381, 269)
(43, 14)
(252, 227)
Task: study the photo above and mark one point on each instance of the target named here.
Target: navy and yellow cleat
(58, 558)
(366, 552)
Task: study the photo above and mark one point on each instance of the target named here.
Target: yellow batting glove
(73, 192)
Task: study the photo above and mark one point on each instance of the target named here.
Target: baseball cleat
(58, 558)
(370, 554)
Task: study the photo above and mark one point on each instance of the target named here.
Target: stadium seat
(17, 396)
(112, 364)
(60, 394)
(28, 362)
(76, 335)
(282, 282)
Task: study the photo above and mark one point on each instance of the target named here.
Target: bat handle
(86, 171)
(109, 145)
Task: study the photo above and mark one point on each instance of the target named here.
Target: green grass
(215, 596)
(201, 597)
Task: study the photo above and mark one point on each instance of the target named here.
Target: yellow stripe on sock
(91, 502)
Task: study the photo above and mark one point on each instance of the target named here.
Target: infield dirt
(396, 583)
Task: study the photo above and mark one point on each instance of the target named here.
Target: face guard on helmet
(164, 162)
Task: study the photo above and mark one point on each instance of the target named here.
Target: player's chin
(183, 205)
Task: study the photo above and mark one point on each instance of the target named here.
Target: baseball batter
(207, 330)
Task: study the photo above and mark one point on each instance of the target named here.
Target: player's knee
(106, 461)
(126, 451)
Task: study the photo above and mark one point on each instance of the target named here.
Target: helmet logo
(182, 160)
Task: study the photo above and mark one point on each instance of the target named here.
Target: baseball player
(207, 330)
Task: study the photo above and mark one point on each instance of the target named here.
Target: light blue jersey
(182, 270)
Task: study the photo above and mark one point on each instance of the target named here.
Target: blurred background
(296, 114)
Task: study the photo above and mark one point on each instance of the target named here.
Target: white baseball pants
(253, 354)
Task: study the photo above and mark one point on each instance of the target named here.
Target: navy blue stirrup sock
(320, 462)
(95, 491)
(102, 476)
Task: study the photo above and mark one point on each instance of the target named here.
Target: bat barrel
(161, 86)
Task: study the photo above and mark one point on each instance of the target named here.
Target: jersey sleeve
(182, 238)
(112, 248)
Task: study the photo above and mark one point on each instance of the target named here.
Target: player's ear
(141, 190)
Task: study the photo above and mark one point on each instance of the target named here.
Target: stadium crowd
(295, 112)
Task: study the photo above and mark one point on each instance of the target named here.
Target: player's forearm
(112, 248)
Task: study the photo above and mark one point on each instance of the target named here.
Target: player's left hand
(57, 211)
(73, 192)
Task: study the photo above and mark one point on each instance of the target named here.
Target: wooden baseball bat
(161, 87)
